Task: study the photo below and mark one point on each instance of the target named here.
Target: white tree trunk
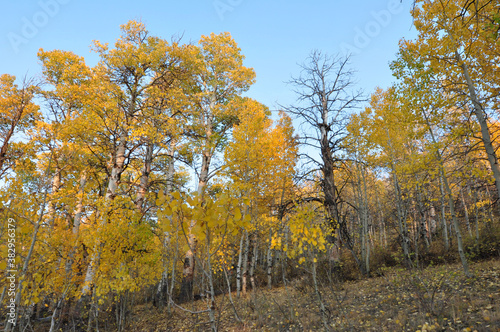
(239, 266)
(270, 261)
(245, 265)
(481, 118)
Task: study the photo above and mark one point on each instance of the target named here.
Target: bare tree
(325, 97)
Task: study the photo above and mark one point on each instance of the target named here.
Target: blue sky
(273, 35)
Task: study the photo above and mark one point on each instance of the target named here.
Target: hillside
(438, 298)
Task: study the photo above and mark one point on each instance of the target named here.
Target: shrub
(488, 245)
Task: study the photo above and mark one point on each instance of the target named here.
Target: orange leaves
(17, 113)
(306, 233)
(260, 160)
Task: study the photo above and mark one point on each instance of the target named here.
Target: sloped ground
(438, 298)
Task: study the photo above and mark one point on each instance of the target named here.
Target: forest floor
(438, 298)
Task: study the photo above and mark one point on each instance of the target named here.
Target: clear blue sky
(273, 35)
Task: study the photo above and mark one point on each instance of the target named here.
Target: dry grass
(437, 298)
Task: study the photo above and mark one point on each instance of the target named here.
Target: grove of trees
(151, 177)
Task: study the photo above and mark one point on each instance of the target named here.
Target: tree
(17, 114)
(429, 108)
(324, 99)
(218, 76)
(259, 163)
(462, 53)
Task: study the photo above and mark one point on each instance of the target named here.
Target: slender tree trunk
(451, 203)
(416, 234)
(322, 307)
(56, 185)
(363, 206)
(454, 218)
(403, 228)
(481, 118)
(245, 265)
(239, 266)
(230, 294)
(253, 263)
(423, 225)
(383, 235)
(172, 281)
(476, 213)
(213, 322)
(169, 187)
(55, 313)
(466, 212)
(443, 216)
(270, 261)
(77, 219)
(79, 206)
(163, 284)
(143, 182)
(3, 294)
(490, 210)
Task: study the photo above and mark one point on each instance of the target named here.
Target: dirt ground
(438, 298)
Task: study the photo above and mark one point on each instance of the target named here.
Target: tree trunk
(230, 294)
(143, 182)
(481, 118)
(56, 185)
(213, 322)
(366, 233)
(270, 261)
(79, 206)
(77, 219)
(245, 265)
(451, 203)
(55, 313)
(253, 262)
(443, 216)
(172, 282)
(239, 266)
(476, 210)
(454, 218)
(421, 211)
(116, 171)
(383, 235)
(328, 184)
(163, 285)
(186, 293)
(403, 228)
(322, 307)
(113, 182)
(466, 212)
(189, 266)
(490, 209)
